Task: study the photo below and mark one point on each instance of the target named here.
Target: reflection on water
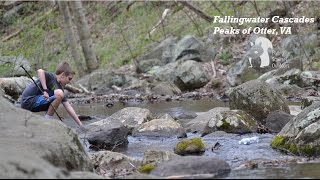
(101, 111)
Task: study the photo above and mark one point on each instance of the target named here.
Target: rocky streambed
(256, 160)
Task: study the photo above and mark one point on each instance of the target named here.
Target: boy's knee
(59, 94)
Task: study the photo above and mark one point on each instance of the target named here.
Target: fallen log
(73, 89)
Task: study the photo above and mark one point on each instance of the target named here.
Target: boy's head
(64, 73)
(65, 68)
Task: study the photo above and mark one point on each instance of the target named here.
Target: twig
(164, 15)
(213, 69)
(116, 146)
(85, 90)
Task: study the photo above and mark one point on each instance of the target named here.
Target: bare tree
(70, 36)
(84, 35)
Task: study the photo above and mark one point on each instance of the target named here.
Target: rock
(194, 146)
(199, 123)
(110, 163)
(106, 137)
(231, 121)
(157, 156)
(159, 128)
(190, 75)
(258, 99)
(277, 120)
(300, 135)
(38, 144)
(192, 167)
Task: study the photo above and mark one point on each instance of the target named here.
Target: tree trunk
(70, 37)
(84, 35)
(197, 11)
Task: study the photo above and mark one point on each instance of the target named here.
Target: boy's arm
(71, 112)
(42, 78)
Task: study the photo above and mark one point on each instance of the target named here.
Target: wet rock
(159, 128)
(192, 167)
(194, 146)
(106, 137)
(132, 117)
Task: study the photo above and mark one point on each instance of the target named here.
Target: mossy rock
(193, 146)
(285, 144)
(146, 168)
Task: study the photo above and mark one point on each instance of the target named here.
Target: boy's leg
(58, 93)
(42, 104)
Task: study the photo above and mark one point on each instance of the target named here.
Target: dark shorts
(42, 104)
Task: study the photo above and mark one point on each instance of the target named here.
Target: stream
(254, 161)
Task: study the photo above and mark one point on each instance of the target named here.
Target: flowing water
(270, 163)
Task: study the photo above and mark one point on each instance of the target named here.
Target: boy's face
(66, 79)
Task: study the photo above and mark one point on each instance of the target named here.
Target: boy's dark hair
(65, 68)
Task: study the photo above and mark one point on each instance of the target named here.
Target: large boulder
(301, 135)
(190, 48)
(190, 75)
(14, 165)
(258, 99)
(231, 121)
(107, 136)
(199, 124)
(28, 135)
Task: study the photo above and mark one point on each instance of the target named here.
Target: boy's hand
(46, 95)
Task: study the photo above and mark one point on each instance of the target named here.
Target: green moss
(309, 150)
(293, 149)
(278, 142)
(146, 168)
(191, 146)
(282, 143)
(225, 125)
